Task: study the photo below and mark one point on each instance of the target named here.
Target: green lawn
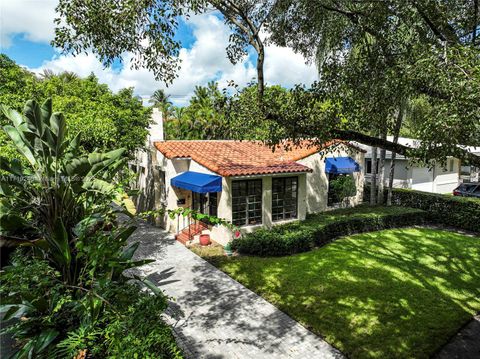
(389, 294)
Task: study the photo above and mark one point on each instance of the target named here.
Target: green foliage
(115, 319)
(82, 27)
(376, 59)
(202, 119)
(68, 283)
(373, 59)
(107, 120)
(141, 333)
(42, 202)
(343, 186)
(32, 289)
(320, 229)
(458, 212)
(246, 118)
(400, 293)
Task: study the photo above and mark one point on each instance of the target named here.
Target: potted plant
(228, 249)
(204, 239)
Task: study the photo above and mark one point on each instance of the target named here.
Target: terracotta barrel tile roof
(242, 158)
(296, 151)
(231, 158)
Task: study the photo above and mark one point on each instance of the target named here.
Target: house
(248, 184)
(244, 182)
(438, 179)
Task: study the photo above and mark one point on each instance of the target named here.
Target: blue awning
(341, 165)
(198, 182)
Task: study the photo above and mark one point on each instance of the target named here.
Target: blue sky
(26, 29)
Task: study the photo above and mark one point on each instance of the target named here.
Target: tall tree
(162, 101)
(422, 44)
(201, 119)
(428, 45)
(108, 120)
(247, 19)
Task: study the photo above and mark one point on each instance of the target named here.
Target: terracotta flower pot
(205, 239)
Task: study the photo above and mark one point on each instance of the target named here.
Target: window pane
(247, 202)
(284, 198)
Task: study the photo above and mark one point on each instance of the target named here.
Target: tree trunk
(381, 170)
(260, 78)
(373, 183)
(396, 132)
(475, 22)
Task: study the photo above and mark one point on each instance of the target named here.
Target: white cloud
(285, 67)
(204, 61)
(33, 18)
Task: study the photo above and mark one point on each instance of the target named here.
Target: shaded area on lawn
(393, 293)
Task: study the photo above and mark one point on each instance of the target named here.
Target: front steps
(192, 232)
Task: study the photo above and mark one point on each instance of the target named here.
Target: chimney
(156, 128)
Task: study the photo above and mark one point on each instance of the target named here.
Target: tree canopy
(376, 60)
(375, 56)
(107, 120)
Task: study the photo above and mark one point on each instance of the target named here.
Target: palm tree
(178, 112)
(162, 101)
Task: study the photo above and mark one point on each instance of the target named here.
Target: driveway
(212, 315)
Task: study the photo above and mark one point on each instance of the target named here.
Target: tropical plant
(42, 203)
(107, 120)
(67, 281)
(162, 101)
(201, 119)
(343, 186)
(49, 319)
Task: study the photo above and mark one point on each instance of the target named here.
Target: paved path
(465, 344)
(214, 316)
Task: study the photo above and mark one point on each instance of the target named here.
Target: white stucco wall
(436, 180)
(447, 179)
(223, 235)
(317, 181)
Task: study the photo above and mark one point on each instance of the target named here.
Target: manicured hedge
(320, 229)
(459, 212)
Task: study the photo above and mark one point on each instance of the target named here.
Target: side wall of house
(317, 181)
(401, 177)
(447, 178)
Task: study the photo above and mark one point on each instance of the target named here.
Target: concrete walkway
(214, 316)
(465, 344)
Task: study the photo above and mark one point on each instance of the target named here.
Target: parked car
(468, 190)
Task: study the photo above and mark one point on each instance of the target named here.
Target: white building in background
(438, 179)
(470, 173)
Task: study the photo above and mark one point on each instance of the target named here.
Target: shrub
(141, 333)
(67, 288)
(459, 212)
(344, 186)
(280, 240)
(323, 228)
(61, 322)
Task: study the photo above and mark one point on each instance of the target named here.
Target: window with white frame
(284, 198)
(247, 202)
